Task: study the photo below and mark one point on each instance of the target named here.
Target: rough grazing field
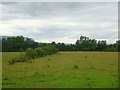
(63, 70)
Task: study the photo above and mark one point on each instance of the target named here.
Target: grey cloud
(51, 32)
(79, 12)
(48, 32)
(44, 9)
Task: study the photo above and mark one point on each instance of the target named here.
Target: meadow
(62, 70)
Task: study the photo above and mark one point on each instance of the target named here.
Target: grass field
(62, 70)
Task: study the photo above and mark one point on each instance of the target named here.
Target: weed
(8, 83)
(88, 78)
(48, 65)
(29, 62)
(42, 80)
(48, 59)
(76, 67)
(88, 85)
(5, 78)
(11, 62)
(85, 56)
(58, 53)
(92, 67)
(36, 74)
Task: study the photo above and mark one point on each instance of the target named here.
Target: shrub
(22, 58)
(48, 50)
(52, 49)
(36, 74)
(48, 59)
(76, 67)
(29, 62)
(6, 78)
(30, 53)
(34, 53)
(11, 62)
(42, 80)
(39, 52)
(48, 65)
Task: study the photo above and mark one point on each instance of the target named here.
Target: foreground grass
(63, 70)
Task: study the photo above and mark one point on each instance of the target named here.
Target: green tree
(101, 46)
(86, 44)
(118, 45)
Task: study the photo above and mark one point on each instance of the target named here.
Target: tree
(101, 46)
(18, 43)
(86, 44)
(118, 45)
(111, 48)
(78, 45)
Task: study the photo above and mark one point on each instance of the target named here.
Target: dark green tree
(86, 44)
(102, 45)
(118, 45)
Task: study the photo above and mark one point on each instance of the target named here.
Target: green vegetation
(62, 70)
(17, 44)
(34, 53)
(40, 66)
(20, 43)
(86, 44)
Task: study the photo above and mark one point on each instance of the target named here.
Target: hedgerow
(34, 53)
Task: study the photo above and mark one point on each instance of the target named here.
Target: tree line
(20, 44)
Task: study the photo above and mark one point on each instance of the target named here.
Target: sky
(60, 21)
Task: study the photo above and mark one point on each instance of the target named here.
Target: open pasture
(62, 70)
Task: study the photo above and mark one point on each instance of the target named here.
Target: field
(62, 70)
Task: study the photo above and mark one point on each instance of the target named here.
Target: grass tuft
(48, 65)
(76, 67)
(6, 78)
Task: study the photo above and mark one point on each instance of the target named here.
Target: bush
(34, 53)
(52, 49)
(6, 78)
(13, 61)
(29, 61)
(46, 50)
(36, 74)
(22, 58)
(85, 56)
(31, 53)
(39, 52)
(48, 59)
(76, 67)
(48, 65)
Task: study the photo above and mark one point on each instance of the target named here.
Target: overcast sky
(60, 21)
